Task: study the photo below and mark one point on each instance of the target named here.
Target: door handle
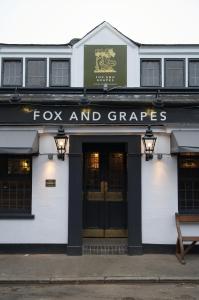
(104, 186)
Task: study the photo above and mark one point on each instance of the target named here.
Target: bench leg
(180, 253)
(189, 247)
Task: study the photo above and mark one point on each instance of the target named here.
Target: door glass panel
(116, 177)
(92, 171)
(93, 184)
(115, 171)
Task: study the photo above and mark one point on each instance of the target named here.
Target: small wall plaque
(50, 183)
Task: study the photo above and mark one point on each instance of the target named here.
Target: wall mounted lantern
(61, 142)
(149, 143)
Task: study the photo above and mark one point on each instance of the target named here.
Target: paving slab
(60, 268)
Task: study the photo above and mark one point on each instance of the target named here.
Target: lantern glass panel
(61, 143)
(149, 144)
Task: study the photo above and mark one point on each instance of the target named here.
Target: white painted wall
(105, 36)
(49, 205)
(159, 195)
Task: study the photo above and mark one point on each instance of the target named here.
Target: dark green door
(104, 202)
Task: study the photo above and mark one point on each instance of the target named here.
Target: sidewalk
(60, 268)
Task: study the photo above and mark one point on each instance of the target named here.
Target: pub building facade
(99, 140)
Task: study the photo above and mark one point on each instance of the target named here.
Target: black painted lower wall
(64, 249)
(33, 248)
(164, 249)
(158, 249)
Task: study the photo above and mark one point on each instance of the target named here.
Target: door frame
(75, 208)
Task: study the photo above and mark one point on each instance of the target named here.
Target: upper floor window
(150, 72)
(174, 73)
(12, 72)
(194, 72)
(59, 72)
(36, 72)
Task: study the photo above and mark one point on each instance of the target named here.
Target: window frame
(191, 60)
(50, 71)
(180, 210)
(141, 72)
(4, 176)
(3, 60)
(184, 72)
(26, 71)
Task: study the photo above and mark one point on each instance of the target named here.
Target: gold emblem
(105, 60)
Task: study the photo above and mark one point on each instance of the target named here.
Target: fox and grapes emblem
(105, 61)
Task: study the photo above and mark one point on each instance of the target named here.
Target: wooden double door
(104, 190)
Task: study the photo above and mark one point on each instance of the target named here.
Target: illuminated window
(93, 160)
(18, 166)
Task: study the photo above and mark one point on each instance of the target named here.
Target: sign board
(105, 64)
(50, 183)
(95, 115)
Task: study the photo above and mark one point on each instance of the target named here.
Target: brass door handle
(104, 186)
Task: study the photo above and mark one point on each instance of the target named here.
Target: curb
(101, 280)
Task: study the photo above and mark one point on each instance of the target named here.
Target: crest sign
(105, 64)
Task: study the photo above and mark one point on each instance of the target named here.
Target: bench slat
(190, 238)
(187, 218)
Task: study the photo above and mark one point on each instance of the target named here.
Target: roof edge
(105, 23)
(34, 45)
(75, 41)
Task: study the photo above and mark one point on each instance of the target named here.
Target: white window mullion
(47, 74)
(162, 69)
(186, 72)
(24, 73)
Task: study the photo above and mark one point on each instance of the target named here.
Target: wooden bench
(181, 248)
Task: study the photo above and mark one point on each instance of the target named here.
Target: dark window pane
(12, 73)
(174, 73)
(36, 73)
(194, 73)
(15, 196)
(188, 175)
(60, 73)
(150, 73)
